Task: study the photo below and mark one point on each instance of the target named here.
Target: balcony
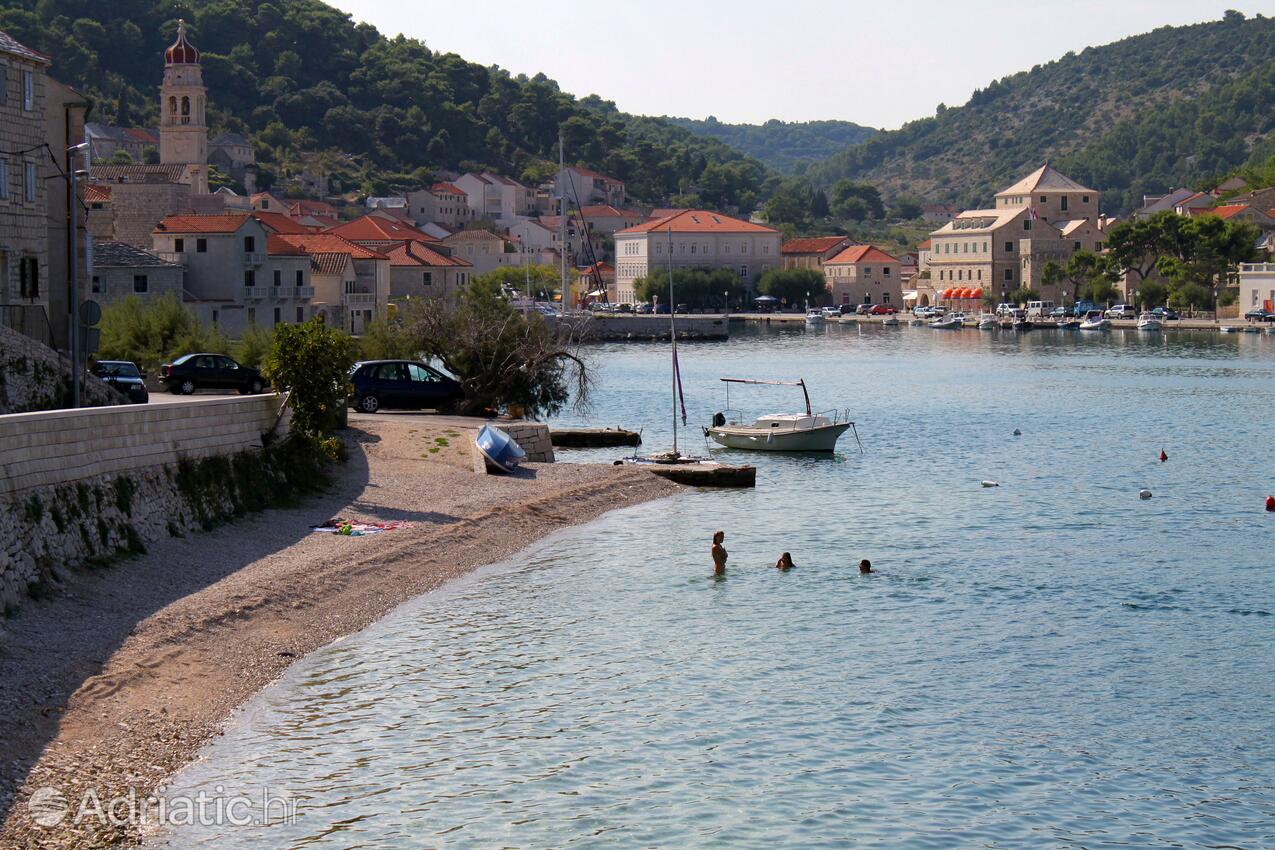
(254, 258)
(257, 292)
(359, 299)
(1257, 268)
(279, 293)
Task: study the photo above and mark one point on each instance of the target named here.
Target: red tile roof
(812, 244)
(1228, 210)
(698, 221)
(307, 207)
(372, 228)
(862, 254)
(278, 246)
(329, 263)
(923, 246)
(450, 188)
(330, 243)
(608, 211)
(596, 175)
(415, 253)
(96, 193)
(280, 223)
(226, 223)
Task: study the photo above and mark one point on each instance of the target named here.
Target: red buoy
(1163, 456)
(1270, 504)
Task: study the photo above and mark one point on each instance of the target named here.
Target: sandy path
(118, 682)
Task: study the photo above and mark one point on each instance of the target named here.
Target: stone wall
(85, 486)
(63, 446)
(532, 437)
(35, 377)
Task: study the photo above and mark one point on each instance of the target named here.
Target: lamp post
(726, 300)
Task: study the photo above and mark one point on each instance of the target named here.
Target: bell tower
(183, 130)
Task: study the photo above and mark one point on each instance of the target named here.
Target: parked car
(883, 310)
(682, 308)
(1121, 311)
(661, 309)
(831, 312)
(1166, 314)
(642, 308)
(1259, 315)
(1039, 309)
(624, 308)
(1081, 308)
(192, 372)
(845, 310)
(1058, 313)
(124, 376)
(402, 384)
(863, 309)
(921, 311)
(1004, 309)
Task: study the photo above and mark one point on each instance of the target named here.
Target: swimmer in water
(784, 562)
(865, 567)
(719, 554)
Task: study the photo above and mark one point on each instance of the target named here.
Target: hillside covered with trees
(1170, 107)
(307, 84)
(788, 147)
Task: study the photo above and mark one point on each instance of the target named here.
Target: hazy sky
(880, 63)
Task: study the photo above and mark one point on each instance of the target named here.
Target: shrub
(312, 361)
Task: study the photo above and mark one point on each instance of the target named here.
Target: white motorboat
(814, 317)
(988, 322)
(951, 320)
(1226, 329)
(890, 321)
(1095, 321)
(1149, 322)
(779, 432)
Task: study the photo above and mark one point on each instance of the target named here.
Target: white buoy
(1144, 494)
(990, 484)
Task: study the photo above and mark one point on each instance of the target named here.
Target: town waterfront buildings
(864, 274)
(692, 239)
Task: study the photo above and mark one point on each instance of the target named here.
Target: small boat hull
(499, 450)
(819, 439)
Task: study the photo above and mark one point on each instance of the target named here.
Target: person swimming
(719, 554)
(784, 562)
(865, 567)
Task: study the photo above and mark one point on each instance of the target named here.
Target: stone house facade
(351, 292)
(584, 186)
(693, 239)
(120, 270)
(24, 235)
(812, 252)
(864, 274)
(443, 203)
(482, 249)
(496, 198)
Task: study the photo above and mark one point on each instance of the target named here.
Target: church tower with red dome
(183, 130)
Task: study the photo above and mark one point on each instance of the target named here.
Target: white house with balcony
(1257, 287)
(237, 274)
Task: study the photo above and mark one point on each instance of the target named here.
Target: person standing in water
(784, 562)
(865, 567)
(719, 554)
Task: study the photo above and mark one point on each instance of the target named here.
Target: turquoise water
(1049, 663)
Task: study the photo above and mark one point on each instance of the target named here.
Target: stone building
(24, 193)
(1044, 217)
(425, 270)
(120, 270)
(443, 203)
(237, 274)
(812, 252)
(864, 274)
(482, 249)
(693, 239)
(351, 283)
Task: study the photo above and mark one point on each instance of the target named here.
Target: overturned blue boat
(499, 450)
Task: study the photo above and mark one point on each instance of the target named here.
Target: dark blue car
(402, 384)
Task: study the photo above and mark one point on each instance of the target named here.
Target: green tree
(1153, 293)
(698, 288)
(794, 286)
(845, 193)
(1022, 295)
(252, 348)
(386, 340)
(501, 357)
(153, 332)
(312, 362)
(545, 280)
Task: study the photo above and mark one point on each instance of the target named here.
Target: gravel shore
(117, 682)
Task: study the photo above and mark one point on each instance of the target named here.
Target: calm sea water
(1049, 663)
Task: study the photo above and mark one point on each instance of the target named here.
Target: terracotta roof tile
(449, 188)
(371, 228)
(698, 221)
(95, 193)
(608, 211)
(10, 45)
(861, 254)
(415, 253)
(330, 243)
(280, 223)
(225, 223)
(329, 263)
(277, 246)
(812, 244)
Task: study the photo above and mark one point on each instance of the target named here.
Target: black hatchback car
(124, 376)
(210, 372)
(403, 384)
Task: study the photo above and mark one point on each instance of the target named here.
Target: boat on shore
(988, 322)
(779, 432)
(500, 452)
(949, 321)
(1095, 321)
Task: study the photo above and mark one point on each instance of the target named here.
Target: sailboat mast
(562, 216)
(672, 327)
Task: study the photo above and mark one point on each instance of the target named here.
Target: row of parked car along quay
(378, 384)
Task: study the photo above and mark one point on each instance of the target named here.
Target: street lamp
(74, 283)
(726, 300)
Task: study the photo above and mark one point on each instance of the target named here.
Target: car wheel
(258, 387)
(369, 404)
(187, 387)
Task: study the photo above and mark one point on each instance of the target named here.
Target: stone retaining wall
(84, 486)
(532, 437)
(35, 377)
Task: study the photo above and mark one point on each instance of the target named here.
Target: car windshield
(183, 359)
(121, 370)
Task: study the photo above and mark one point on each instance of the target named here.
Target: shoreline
(120, 680)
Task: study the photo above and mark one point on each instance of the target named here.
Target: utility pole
(74, 284)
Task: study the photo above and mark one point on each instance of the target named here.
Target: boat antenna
(562, 221)
(672, 326)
